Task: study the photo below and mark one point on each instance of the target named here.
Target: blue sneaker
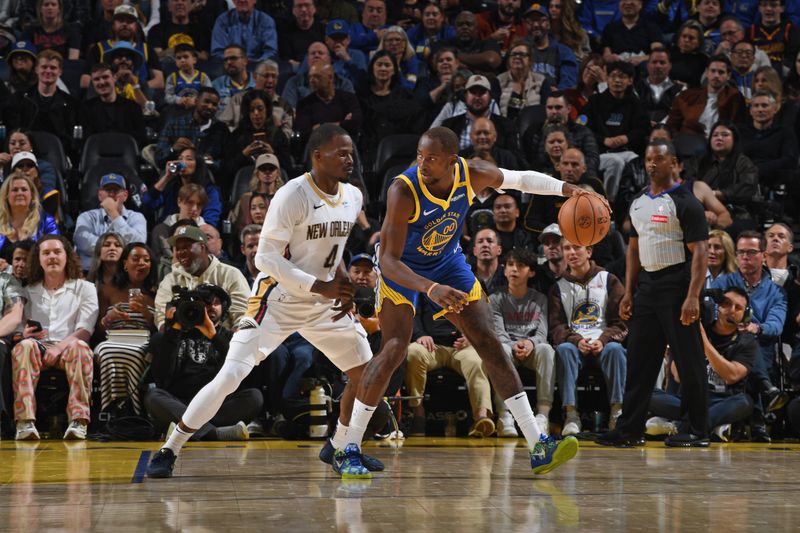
(327, 451)
(550, 453)
(161, 464)
(348, 464)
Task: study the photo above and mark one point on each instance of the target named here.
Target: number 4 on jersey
(330, 261)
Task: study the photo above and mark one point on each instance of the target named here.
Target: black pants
(6, 392)
(656, 323)
(242, 405)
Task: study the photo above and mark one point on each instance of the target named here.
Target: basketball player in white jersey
(302, 287)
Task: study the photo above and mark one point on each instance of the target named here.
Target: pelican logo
(436, 238)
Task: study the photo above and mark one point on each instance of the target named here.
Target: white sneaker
(75, 431)
(616, 412)
(505, 426)
(26, 430)
(723, 432)
(660, 426)
(543, 423)
(572, 425)
(235, 432)
(256, 429)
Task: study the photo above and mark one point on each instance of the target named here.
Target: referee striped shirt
(665, 223)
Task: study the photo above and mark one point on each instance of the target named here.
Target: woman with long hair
(687, 57)
(388, 106)
(395, 41)
(520, 86)
(256, 134)
(107, 250)
(50, 32)
(721, 258)
(566, 29)
(266, 180)
(21, 215)
(126, 304)
(189, 167)
(592, 79)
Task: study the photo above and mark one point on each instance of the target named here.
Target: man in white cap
(554, 265)
(479, 103)
(112, 215)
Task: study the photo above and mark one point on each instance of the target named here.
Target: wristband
(433, 286)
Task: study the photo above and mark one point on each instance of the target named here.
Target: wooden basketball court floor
(430, 484)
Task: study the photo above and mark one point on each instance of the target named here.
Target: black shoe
(161, 464)
(759, 433)
(620, 440)
(686, 440)
(327, 451)
(775, 399)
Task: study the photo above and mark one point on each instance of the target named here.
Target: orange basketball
(584, 220)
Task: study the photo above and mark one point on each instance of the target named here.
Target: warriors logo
(585, 315)
(439, 235)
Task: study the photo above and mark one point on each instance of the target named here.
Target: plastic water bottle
(318, 416)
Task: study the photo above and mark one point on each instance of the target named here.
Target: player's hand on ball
(341, 290)
(690, 310)
(453, 300)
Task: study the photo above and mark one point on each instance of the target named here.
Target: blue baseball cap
(22, 47)
(112, 179)
(360, 257)
(537, 8)
(125, 46)
(337, 27)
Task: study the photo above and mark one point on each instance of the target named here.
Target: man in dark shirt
(631, 37)
(480, 56)
(667, 257)
(302, 30)
(327, 104)
(730, 356)
(178, 28)
(108, 111)
(186, 359)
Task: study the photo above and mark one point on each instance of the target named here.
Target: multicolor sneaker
(161, 464)
(372, 464)
(347, 463)
(550, 452)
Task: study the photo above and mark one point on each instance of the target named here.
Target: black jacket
(656, 110)
(57, 115)
(608, 117)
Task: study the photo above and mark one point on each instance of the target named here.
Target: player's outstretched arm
(400, 208)
(484, 174)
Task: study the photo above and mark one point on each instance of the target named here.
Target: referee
(667, 255)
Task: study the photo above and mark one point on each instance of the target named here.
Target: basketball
(584, 220)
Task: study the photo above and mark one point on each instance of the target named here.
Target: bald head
(573, 165)
(320, 78)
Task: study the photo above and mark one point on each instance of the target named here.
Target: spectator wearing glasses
(236, 78)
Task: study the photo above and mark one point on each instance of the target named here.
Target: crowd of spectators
(143, 141)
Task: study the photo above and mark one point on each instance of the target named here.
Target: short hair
(720, 58)
(752, 234)
(557, 128)
(622, 66)
(490, 228)
(35, 270)
(185, 47)
(445, 137)
(238, 47)
(99, 67)
(787, 228)
(523, 256)
(268, 63)
(658, 143)
(740, 291)
(510, 194)
(558, 94)
(324, 134)
(206, 90)
(660, 50)
(186, 192)
(763, 93)
(24, 244)
(50, 55)
(250, 229)
(731, 18)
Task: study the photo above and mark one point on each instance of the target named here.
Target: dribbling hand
(341, 290)
(448, 298)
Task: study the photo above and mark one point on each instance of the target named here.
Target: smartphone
(34, 324)
(261, 136)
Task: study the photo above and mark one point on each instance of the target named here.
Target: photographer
(196, 266)
(187, 355)
(361, 269)
(731, 352)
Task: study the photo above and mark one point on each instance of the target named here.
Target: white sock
(177, 439)
(358, 422)
(339, 439)
(520, 407)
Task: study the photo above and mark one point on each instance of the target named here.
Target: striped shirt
(664, 224)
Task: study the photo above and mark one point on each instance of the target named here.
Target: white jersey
(314, 225)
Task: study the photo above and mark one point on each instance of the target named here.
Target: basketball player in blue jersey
(420, 256)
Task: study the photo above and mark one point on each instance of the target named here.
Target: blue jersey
(434, 230)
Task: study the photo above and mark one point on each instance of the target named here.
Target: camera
(190, 305)
(709, 300)
(365, 302)
(176, 166)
